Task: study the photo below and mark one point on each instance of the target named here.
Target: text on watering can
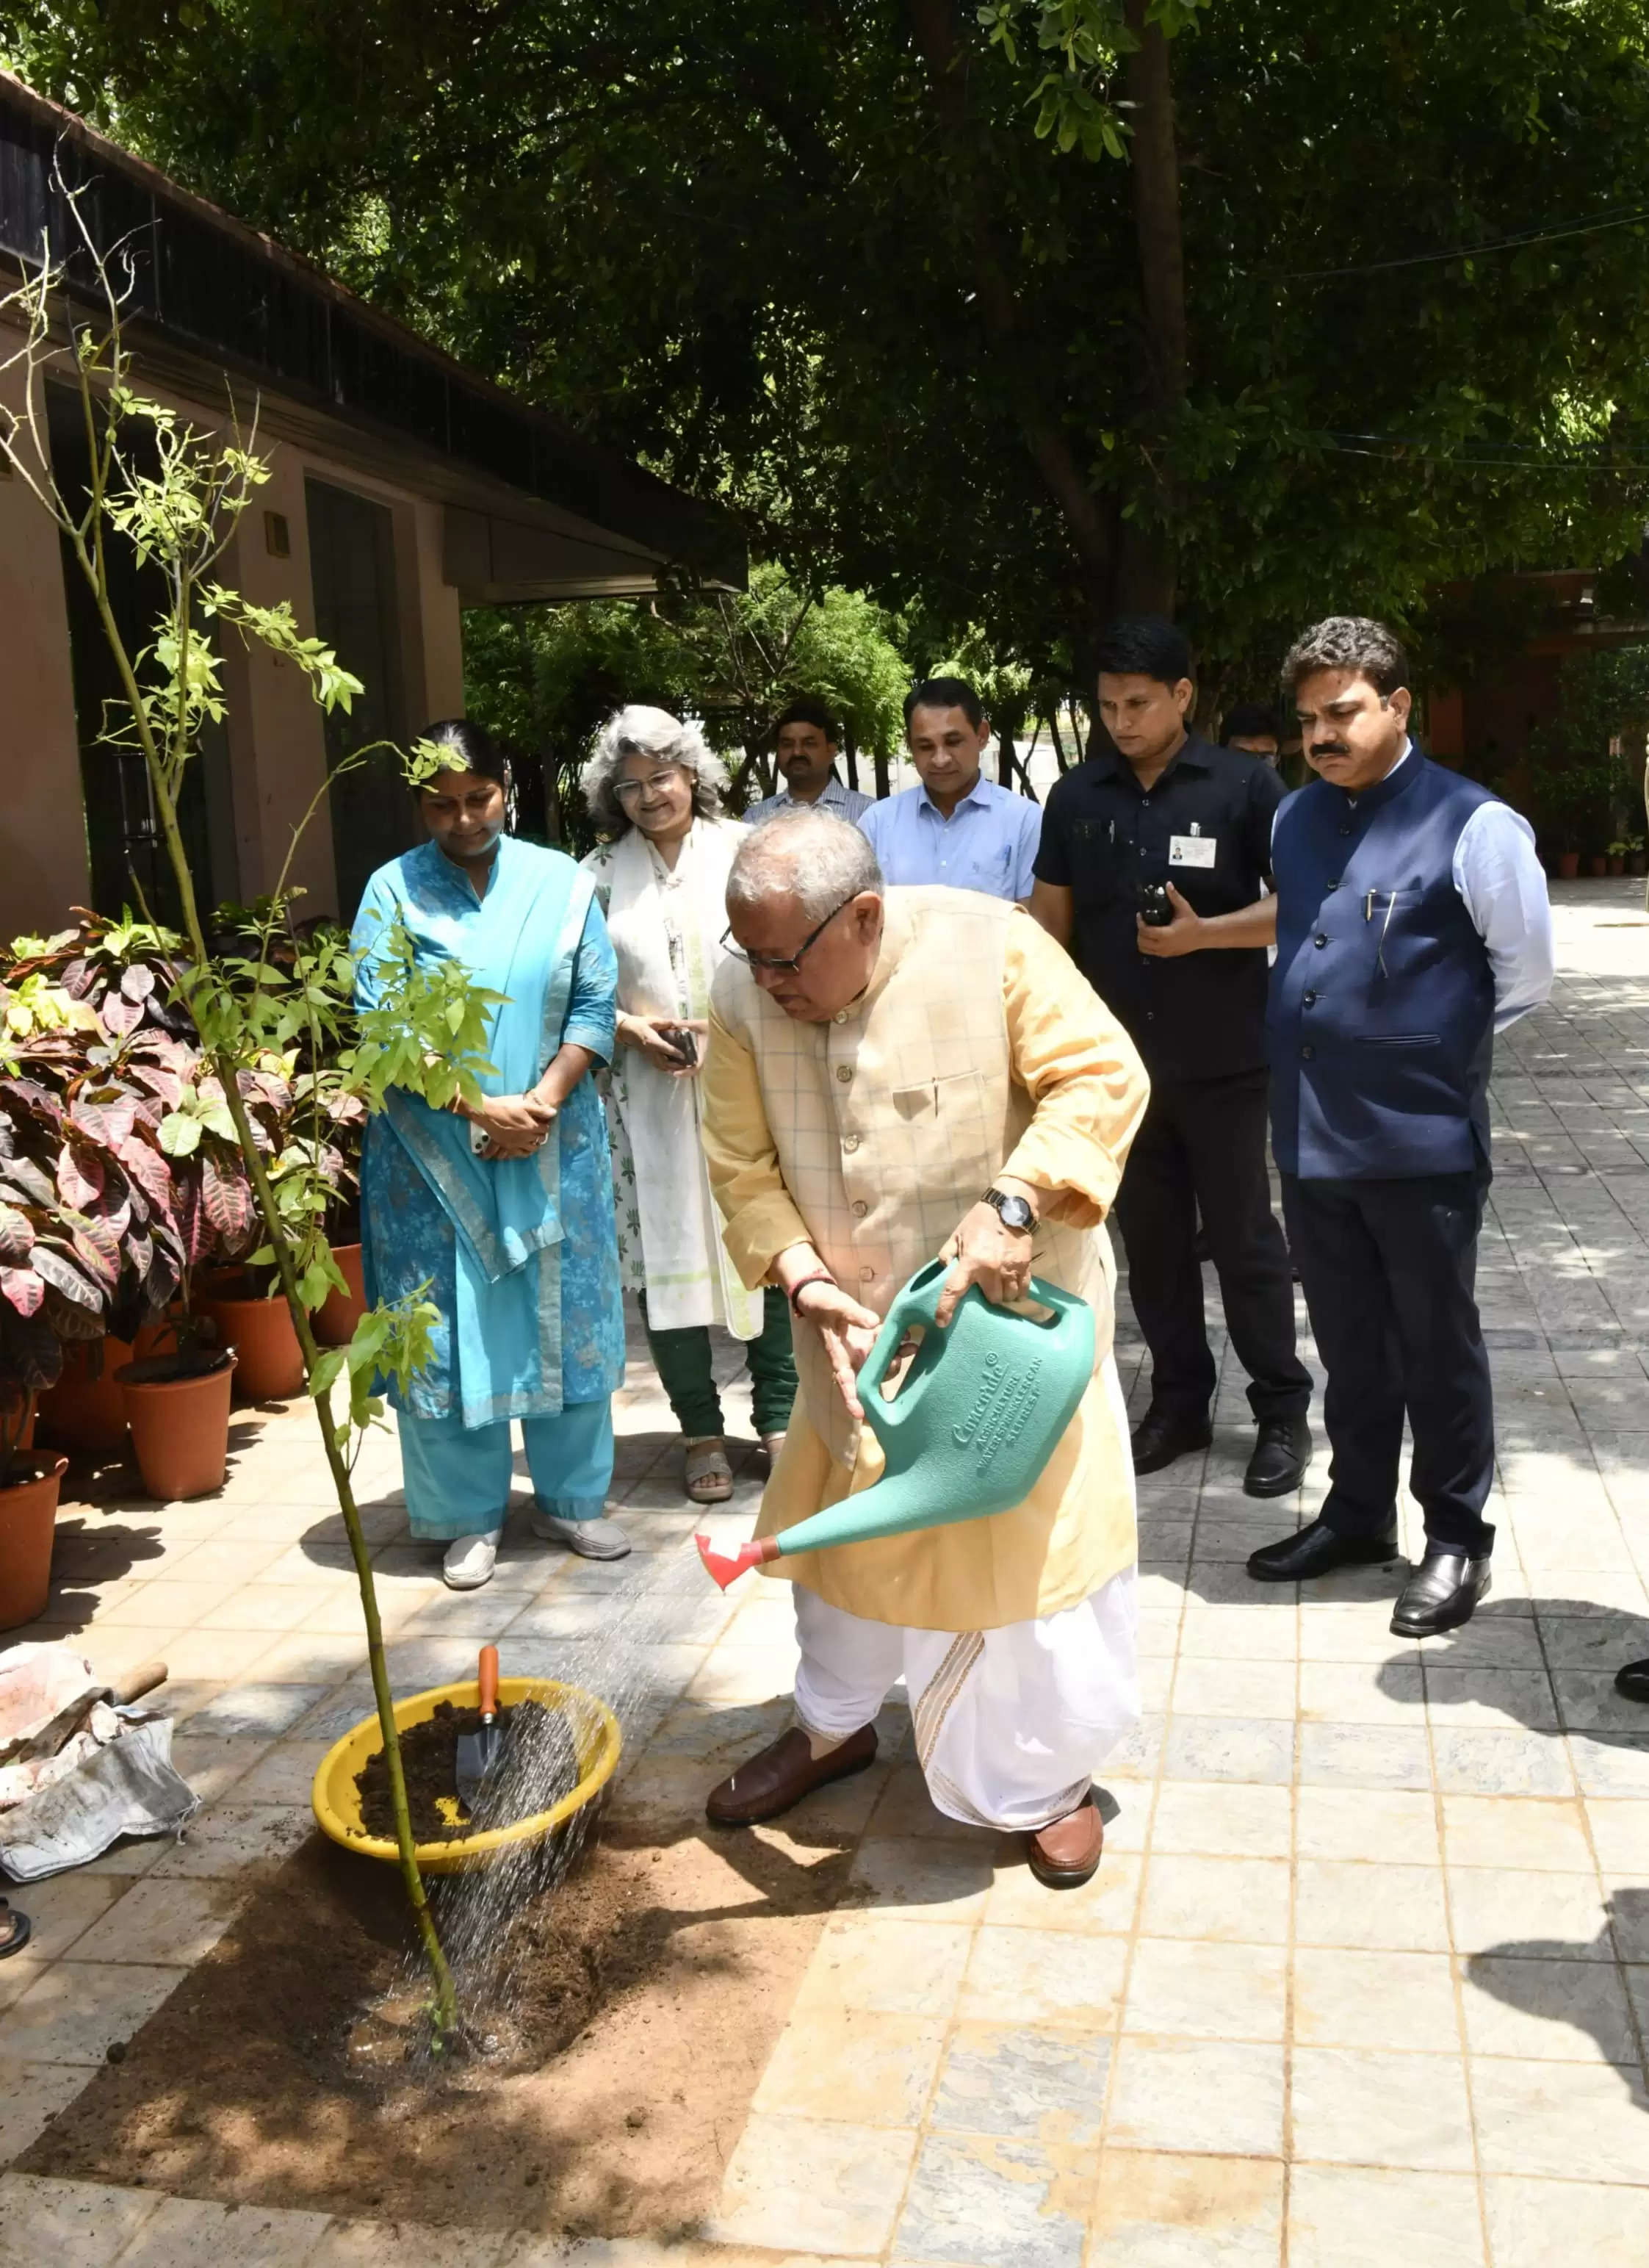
(1001, 1409)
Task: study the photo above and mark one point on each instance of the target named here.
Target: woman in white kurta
(655, 788)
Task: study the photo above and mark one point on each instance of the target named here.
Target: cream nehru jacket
(977, 1049)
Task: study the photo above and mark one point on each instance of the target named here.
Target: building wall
(277, 746)
(278, 753)
(443, 639)
(42, 835)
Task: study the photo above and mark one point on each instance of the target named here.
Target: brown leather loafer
(1066, 1853)
(782, 1773)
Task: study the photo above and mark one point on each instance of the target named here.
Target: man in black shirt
(1252, 728)
(1166, 809)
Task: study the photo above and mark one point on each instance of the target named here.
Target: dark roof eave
(226, 292)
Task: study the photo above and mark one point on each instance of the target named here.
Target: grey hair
(820, 861)
(1348, 642)
(638, 731)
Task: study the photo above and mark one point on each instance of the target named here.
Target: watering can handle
(916, 1303)
(487, 1681)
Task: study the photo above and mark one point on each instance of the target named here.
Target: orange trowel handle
(489, 1681)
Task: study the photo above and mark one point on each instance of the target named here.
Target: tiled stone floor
(1363, 1979)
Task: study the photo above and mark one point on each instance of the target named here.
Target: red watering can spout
(726, 1570)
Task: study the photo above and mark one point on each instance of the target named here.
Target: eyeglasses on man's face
(658, 783)
(775, 964)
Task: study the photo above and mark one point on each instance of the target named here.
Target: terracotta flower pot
(1597, 864)
(85, 1411)
(1568, 864)
(28, 1513)
(268, 1361)
(1617, 862)
(180, 1427)
(1637, 862)
(335, 1324)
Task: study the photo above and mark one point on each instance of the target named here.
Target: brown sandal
(709, 1474)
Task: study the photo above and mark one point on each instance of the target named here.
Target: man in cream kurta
(893, 1074)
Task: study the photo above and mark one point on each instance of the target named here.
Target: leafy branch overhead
(923, 361)
(1079, 44)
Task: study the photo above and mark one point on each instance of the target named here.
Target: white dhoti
(1011, 1724)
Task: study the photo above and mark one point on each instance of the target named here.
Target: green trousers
(684, 1364)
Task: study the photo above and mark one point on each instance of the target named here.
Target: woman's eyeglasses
(773, 962)
(627, 791)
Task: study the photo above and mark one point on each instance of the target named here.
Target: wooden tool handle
(137, 1682)
(489, 1681)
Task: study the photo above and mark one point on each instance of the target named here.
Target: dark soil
(536, 1765)
(162, 1369)
(642, 2000)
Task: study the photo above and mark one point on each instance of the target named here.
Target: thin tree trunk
(1147, 564)
(884, 785)
(851, 756)
(934, 24)
(1083, 747)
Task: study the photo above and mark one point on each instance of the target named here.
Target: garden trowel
(480, 1753)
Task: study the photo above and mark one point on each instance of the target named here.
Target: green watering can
(977, 1416)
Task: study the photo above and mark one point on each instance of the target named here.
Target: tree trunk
(934, 25)
(884, 785)
(851, 756)
(1147, 563)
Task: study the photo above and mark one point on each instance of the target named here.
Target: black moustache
(1331, 749)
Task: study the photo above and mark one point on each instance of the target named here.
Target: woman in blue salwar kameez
(514, 1239)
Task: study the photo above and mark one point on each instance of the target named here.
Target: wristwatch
(1015, 1211)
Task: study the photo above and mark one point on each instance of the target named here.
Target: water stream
(614, 1656)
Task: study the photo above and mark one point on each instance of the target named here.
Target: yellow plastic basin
(337, 1803)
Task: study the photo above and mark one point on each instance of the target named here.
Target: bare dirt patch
(649, 1989)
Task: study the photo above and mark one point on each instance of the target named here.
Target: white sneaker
(470, 1560)
(591, 1539)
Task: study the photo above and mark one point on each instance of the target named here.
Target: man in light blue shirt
(805, 743)
(956, 828)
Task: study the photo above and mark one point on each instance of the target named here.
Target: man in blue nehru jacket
(1412, 925)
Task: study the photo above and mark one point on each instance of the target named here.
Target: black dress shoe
(1632, 1681)
(1280, 1457)
(1162, 1435)
(1440, 1594)
(1318, 1551)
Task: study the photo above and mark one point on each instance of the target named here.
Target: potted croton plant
(57, 1267)
(118, 1115)
(80, 1000)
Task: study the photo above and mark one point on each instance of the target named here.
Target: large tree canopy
(817, 260)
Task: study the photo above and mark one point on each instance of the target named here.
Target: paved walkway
(1363, 1979)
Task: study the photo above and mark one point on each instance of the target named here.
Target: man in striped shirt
(805, 740)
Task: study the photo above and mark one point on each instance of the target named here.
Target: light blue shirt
(988, 843)
(842, 802)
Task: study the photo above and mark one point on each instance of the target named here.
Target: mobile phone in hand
(682, 1042)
